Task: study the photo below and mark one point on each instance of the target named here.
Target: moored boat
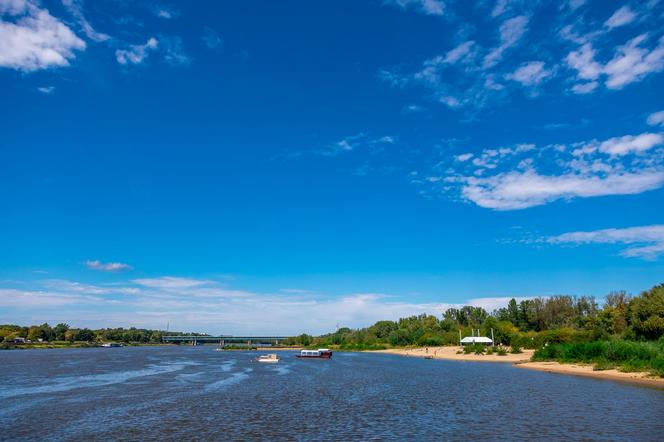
(321, 353)
(269, 359)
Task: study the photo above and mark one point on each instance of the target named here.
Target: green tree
(646, 313)
(60, 330)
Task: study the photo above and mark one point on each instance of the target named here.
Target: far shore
(523, 360)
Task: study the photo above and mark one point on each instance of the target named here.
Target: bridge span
(264, 341)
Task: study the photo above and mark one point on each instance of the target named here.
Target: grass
(604, 355)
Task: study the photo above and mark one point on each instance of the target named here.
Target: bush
(501, 351)
(626, 355)
(516, 350)
(478, 349)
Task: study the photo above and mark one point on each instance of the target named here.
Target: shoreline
(588, 371)
(523, 360)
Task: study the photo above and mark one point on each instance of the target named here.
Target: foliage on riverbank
(531, 323)
(63, 335)
(620, 354)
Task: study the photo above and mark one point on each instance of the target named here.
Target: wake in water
(67, 383)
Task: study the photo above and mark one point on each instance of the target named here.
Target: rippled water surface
(196, 393)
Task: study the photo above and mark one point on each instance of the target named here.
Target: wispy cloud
(166, 12)
(428, 7)
(173, 50)
(632, 62)
(656, 119)
(212, 39)
(203, 305)
(511, 32)
(530, 74)
(523, 176)
(75, 8)
(171, 282)
(354, 142)
(645, 242)
(621, 17)
(107, 266)
(46, 90)
(136, 54)
(34, 39)
(520, 190)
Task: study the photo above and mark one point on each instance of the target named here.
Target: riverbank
(523, 360)
(586, 370)
(452, 353)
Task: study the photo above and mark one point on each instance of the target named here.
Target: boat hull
(322, 356)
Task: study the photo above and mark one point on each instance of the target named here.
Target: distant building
(470, 340)
(19, 340)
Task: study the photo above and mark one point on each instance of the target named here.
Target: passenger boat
(321, 353)
(269, 359)
(111, 344)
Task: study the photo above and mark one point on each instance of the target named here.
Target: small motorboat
(321, 353)
(268, 359)
(428, 357)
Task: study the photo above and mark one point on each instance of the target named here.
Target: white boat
(268, 359)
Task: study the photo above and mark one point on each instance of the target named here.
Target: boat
(321, 353)
(268, 359)
(428, 357)
(111, 344)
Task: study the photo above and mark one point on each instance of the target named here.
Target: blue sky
(279, 167)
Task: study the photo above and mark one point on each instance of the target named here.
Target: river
(196, 393)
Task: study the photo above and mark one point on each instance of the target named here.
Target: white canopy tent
(470, 340)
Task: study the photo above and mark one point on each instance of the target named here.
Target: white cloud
(633, 63)
(107, 266)
(166, 13)
(523, 176)
(75, 8)
(585, 88)
(460, 53)
(171, 282)
(47, 90)
(520, 190)
(631, 143)
(656, 119)
(429, 7)
(630, 63)
(583, 60)
(511, 32)
(36, 40)
(203, 305)
(464, 157)
(136, 53)
(646, 242)
(531, 73)
(621, 17)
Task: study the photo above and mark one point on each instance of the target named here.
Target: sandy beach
(450, 353)
(586, 370)
(522, 360)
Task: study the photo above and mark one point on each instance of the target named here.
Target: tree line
(63, 332)
(530, 323)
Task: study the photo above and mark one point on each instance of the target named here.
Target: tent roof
(476, 339)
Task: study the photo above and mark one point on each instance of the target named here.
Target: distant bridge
(223, 341)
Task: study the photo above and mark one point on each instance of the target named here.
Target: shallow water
(196, 393)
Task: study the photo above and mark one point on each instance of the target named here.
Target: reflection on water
(185, 393)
